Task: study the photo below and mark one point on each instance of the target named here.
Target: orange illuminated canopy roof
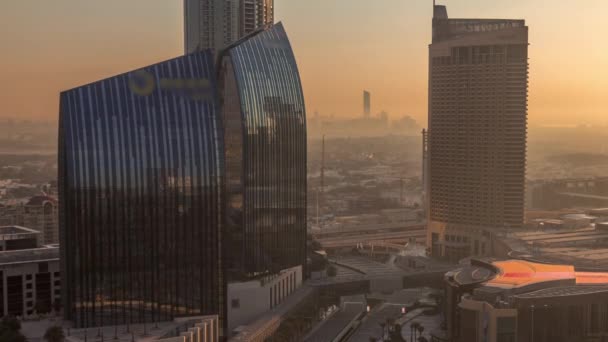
(520, 273)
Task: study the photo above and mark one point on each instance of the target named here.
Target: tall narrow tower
(425, 168)
(215, 24)
(367, 103)
(478, 87)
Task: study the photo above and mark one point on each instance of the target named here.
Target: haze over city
(342, 46)
(303, 170)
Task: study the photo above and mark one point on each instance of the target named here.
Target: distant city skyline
(381, 47)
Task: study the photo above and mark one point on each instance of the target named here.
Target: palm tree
(411, 332)
(420, 329)
(414, 327)
(395, 335)
(54, 334)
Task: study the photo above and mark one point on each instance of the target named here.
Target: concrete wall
(247, 300)
(30, 269)
(207, 330)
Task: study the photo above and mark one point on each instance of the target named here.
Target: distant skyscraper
(214, 24)
(478, 90)
(367, 103)
(140, 190)
(255, 14)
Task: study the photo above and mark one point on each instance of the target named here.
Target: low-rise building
(30, 281)
(517, 300)
(15, 238)
(248, 300)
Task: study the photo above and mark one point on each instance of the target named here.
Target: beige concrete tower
(478, 88)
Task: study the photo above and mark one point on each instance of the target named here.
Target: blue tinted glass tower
(172, 185)
(265, 131)
(140, 188)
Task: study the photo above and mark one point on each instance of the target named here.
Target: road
(353, 240)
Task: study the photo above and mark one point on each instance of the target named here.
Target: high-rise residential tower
(255, 14)
(478, 86)
(215, 24)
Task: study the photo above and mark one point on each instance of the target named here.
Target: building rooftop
(584, 247)
(525, 279)
(16, 230)
(162, 331)
(40, 199)
(29, 255)
(564, 291)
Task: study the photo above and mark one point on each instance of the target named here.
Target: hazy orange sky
(342, 47)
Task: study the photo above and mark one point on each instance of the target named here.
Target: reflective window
(140, 179)
(266, 155)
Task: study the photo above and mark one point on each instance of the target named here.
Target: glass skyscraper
(141, 201)
(265, 132)
(173, 182)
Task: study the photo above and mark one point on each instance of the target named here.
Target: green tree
(57, 305)
(10, 330)
(42, 307)
(332, 271)
(54, 334)
(12, 336)
(315, 245)
(10, 323)
(420, 329)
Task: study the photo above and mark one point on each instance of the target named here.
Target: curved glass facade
(141, 206)
(265, 130)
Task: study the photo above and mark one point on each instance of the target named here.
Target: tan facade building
(478, 86)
